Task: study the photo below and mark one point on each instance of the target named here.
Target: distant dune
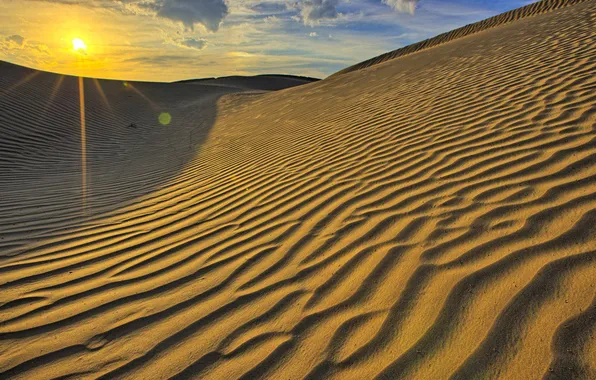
(257, 82)
(428, 217)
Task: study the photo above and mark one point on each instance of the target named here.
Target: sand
(428, 217)
(533, 9)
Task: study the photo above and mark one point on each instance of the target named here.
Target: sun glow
(78, 45)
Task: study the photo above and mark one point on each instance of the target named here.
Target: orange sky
(171, 40)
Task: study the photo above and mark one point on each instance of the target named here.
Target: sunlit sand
(428, 214)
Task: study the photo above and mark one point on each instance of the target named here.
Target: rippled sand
(431, 216)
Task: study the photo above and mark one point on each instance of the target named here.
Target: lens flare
(165, 118)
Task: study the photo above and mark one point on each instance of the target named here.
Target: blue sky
(166, 40)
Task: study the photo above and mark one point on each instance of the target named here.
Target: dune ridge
(429, 217)
(530, 10)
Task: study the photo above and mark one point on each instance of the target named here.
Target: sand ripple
(428, 217)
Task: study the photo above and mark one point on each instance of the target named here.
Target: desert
(426, 214)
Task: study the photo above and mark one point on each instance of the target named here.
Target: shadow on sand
(137, 137)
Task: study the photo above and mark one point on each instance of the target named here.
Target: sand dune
(428, 217)
(530, 10)
(40, 155)
(257, 82)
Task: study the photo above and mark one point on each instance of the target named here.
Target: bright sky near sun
(167, 40)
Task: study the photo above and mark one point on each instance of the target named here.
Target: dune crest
(534, 9)
(430, 217)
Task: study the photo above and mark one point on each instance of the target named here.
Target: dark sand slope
(41, 150)
(424, 218)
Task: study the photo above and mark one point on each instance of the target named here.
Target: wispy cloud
(269, 8)
(184, 42)
(408, 6)
(176, 39)
(208, 13)
(194, 43)
(313, 11)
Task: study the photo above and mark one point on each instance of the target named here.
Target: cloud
(269, 8)
(240, 54)
(272, 20)
(185, 42)
(43, 49)
(163, 60)
(16, 39)
(17, 42)
(404, 6)
(209, 13)
(313, 11)
(194, 43)
(18, 49)
(92, 3)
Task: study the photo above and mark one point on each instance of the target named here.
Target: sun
(78, 45)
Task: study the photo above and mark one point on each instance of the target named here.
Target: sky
(169, 40)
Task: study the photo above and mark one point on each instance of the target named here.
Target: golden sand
(432, 216)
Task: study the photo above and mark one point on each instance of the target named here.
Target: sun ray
(21, 82)
(103, 95)
(57, 86)
(83, 145)
(55, 89)
(151, 103)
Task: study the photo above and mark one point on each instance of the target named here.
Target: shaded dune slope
(530, 10)
(41, 151)
(428, 217)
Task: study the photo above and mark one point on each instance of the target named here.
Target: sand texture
(429, 217)
(530, 10)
